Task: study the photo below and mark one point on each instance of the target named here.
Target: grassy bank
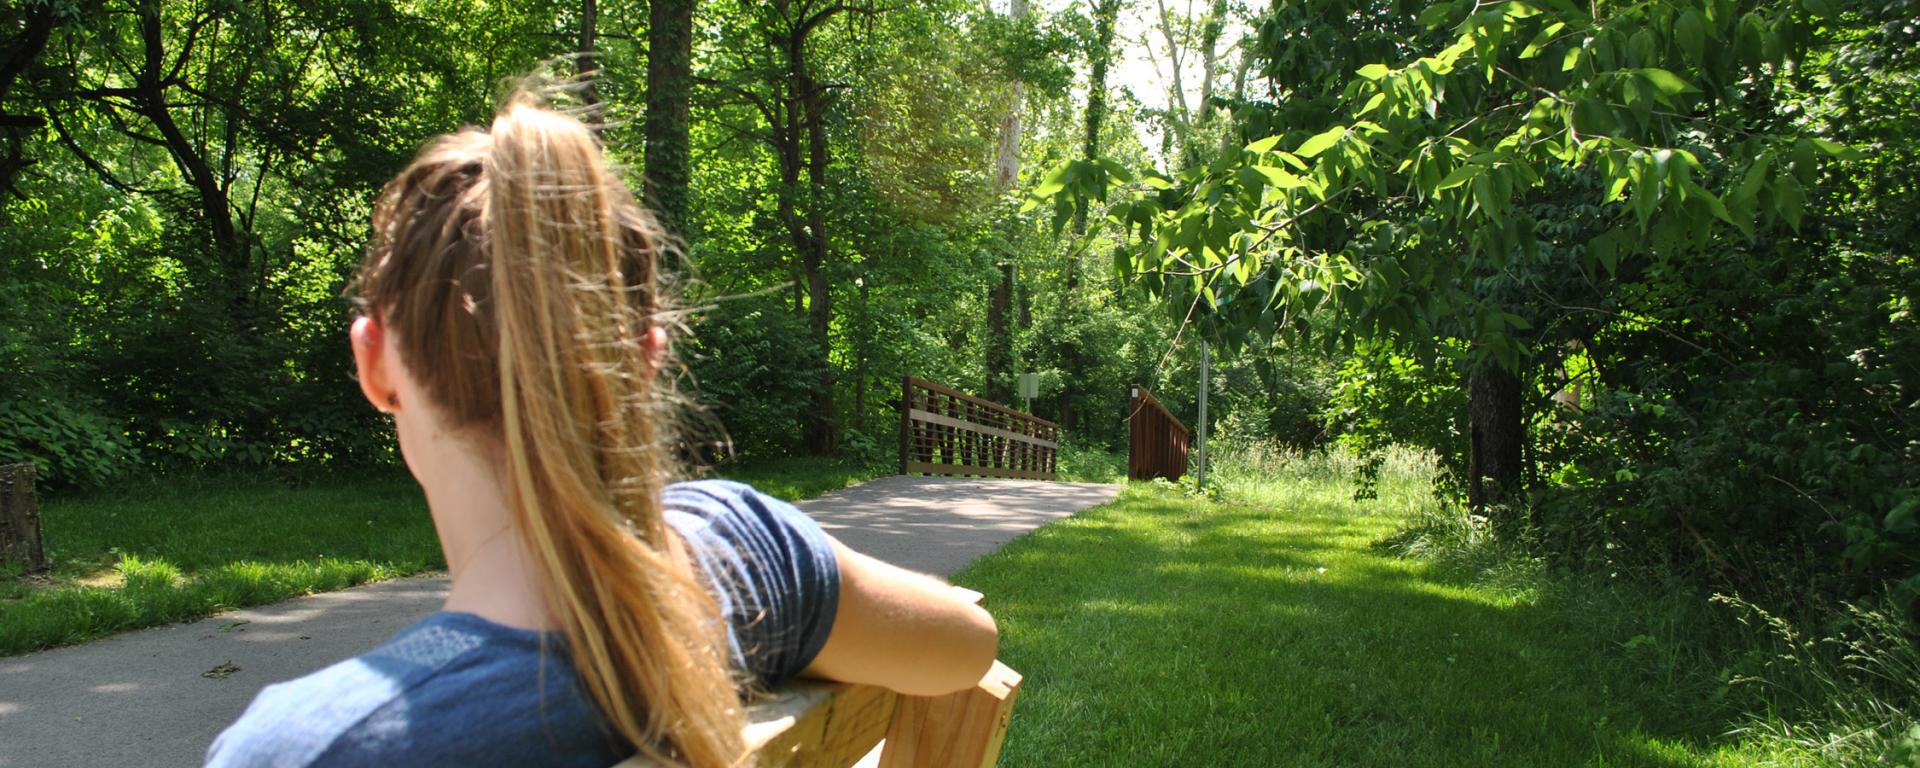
(179, 549)
(1271, 628)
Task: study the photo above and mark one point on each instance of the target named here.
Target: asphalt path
(159, 696)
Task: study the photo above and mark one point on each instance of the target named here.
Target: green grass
(798, 477)
(1081, 464)
(168, 551)
(180, 549)
(1270, 629)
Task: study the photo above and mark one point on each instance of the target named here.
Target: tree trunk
(21, 51)
(1180, 116)
(669, 71)
(1494, 447)
(1006, 168)
(150, 98)
(823, 433)
(1105, 13)
(1000, 338)
(588, 67)
(20, 520)
(1000, 300)
(1026, 306)
(1007, 165)
(1210, 59)
(861, 348)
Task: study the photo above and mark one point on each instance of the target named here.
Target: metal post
(1200, 478)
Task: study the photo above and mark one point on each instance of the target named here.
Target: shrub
(69, 447)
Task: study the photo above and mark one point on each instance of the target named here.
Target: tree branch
(66, 139)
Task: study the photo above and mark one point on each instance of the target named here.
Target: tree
(777, 78)
(1106, 14)
(34, 23)
(1006, 170)
(1404, 202)
(669, 88)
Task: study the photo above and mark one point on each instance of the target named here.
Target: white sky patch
(1141, 65)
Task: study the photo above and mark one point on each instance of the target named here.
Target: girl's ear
(654, 346)
(370, 362)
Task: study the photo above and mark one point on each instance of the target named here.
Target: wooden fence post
(20, 520)
(906, 422)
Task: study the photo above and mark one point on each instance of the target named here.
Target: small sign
(1029, 387)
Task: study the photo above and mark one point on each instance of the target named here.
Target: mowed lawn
(1165, 630)
(169, 551)
(180, 549)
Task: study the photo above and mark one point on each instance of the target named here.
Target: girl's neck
(493, 575)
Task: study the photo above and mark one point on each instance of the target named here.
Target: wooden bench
(813, 724)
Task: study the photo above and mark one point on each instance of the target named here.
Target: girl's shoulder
(450, 690)
(771, 566)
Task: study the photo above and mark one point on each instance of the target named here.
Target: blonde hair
(519, 277)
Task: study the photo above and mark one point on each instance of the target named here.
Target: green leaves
(1836, 149)
(1690, 33)
(1320, 142)
(1280, 178)
(1461, 175)
(1442, 160)
(1902, 519)
(1669, 83)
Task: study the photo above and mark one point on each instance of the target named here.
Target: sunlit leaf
(1319, 143)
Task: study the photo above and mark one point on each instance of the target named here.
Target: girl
(509, 328)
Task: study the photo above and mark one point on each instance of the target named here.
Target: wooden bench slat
(833, 732)
(959, 729)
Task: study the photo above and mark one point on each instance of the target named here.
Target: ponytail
(527, 235)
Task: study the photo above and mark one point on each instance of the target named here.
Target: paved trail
(159, 696)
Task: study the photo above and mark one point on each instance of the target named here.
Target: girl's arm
(902, 630)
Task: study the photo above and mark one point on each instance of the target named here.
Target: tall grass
(1397, 483)
(1090, 464)
(1847, 695)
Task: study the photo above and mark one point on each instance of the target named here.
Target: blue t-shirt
(456, 689)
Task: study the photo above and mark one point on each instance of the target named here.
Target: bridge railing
(1157, 441)
(947, 432)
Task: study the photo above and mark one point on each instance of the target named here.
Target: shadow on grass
(1162, 630)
